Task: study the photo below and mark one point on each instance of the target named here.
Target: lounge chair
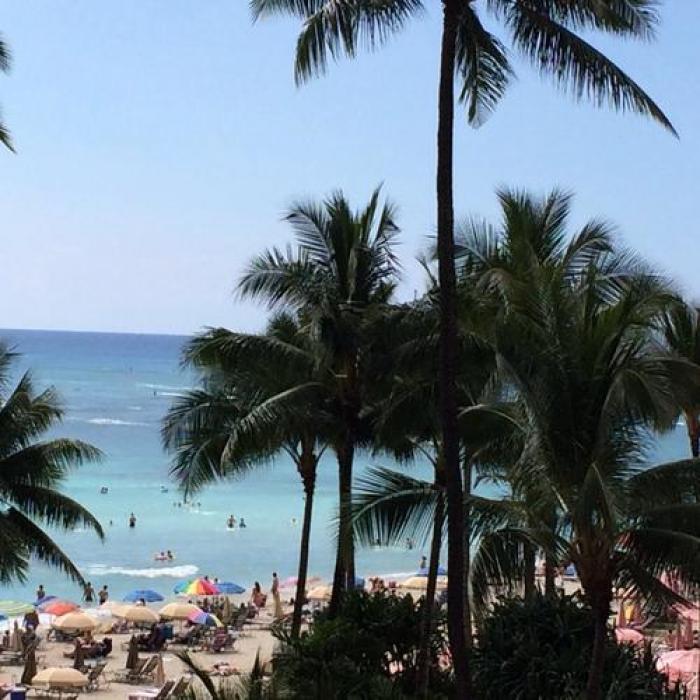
(220, 641)
(126, 675)
(181, 687)
(155, 693)
(97, 678)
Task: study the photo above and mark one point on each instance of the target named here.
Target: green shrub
(369, 650)
(541, 650)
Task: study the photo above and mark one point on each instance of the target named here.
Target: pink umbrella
(679, 665)
(628, 636)
(689, 612)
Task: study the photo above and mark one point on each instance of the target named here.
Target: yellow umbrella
(178, 611)
(138, 613)
(75, 622)
(60, 677)
(420, 583)
(320, 593)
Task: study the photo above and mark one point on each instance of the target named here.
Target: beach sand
(256, 639)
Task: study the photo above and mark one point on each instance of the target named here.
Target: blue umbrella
(442, 571)
(146, 594)
(229, 588)
(45, 599)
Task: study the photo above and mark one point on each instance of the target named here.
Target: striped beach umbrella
(14, 608)
(204, 618)
(197, 586)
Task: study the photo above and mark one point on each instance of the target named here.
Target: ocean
(116, 388)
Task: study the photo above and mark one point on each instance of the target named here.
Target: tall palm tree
(343, 273)
(32, 470)
(682, 333)
(578, 341)
(260, 397)
(5, 61)
(547, 33)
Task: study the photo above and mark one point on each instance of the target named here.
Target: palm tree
(576, 337)
(343, 273)
(259, 397)
(5, 60)
(682, 332)
(32, 470)
(546, 33)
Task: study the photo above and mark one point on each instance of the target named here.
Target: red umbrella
(58, 607)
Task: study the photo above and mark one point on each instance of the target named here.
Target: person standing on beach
(103, 595)
(275, 590)
(88, 593)
(423, 563)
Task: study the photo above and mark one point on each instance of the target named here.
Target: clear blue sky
(160, 141)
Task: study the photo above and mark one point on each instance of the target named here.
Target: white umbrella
(139, 613)
(178, 611)
(60, 677)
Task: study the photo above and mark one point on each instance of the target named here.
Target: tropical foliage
(5, 61)
(32, 469)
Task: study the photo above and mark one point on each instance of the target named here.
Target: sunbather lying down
(223, 668)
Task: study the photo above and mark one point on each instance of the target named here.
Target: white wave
(170, 571)
(114, 421)
(135, 408)
(166, 387)
(170, 393)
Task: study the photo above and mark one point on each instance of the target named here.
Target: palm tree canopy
(547, 33)
(32, 470)
(5, 62)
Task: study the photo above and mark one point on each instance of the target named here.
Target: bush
(369, 650)
(542, 649)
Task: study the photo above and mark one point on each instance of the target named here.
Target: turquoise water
(115, 389)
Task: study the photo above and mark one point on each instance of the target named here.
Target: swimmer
(231, 522)
(132, 520)
(293, 522)
(242, 523)
(160, 557)
(170, 555)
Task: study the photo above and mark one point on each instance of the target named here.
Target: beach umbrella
(178, 611)
(679, 665)
(146, 594)
(45, 599)
(61, 677)
(139, 613)
(229, 588)
(204, 618)
(16, 638)
(29, 665)
(132, 657)
(626, 635)
(688, 612)
(320, 593)
(196, 586)
(441, 571)
(75, 622)
(113, 607)
(420, 583)
(57, 607)
(14, 608)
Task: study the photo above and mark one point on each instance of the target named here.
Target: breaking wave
(156, 572)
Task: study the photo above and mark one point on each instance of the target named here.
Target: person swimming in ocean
(242, 523)
(170, 555)
(160, 557)
(104, 490)
(132, 520)
(231, 522)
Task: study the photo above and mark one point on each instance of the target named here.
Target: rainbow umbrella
(14, 608)
(197, 586)
(199, 617)
(57, 607)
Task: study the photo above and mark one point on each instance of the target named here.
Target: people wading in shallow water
(132, 520)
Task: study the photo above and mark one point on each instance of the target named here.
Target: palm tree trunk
(448, 350)
(467, 480)
(600, 604)
(344, 576)
(550, 572)
(429, 604)
(309, 476)
(529, 573)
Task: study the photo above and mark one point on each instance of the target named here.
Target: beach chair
(97, 678)
(181, 687)
(125, 675)
(147, 671)
(154, 693)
